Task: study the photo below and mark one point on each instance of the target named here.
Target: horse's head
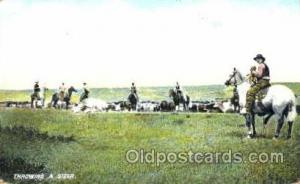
(172, 93)
(234, 79)
(72, 89)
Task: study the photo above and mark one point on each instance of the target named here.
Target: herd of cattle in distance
(96, 105)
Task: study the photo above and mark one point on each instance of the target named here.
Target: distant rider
(36, 90)
(133, 90)
(85, 92)
(178, 89)
(62, 91)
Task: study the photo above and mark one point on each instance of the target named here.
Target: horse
(179, 98)
(55, 101)
(133, 101)
(235, 101)
(279, 101)
(38, 100)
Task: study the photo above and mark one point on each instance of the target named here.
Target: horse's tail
(292, 112)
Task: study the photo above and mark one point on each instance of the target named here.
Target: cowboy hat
(259, 56)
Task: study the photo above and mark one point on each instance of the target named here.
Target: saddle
(259, 98)
(262, 94)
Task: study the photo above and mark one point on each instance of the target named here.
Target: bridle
(234, 77)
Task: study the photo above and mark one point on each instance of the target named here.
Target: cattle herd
(96, 105)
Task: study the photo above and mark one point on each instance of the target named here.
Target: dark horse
(180, 98)
(133, 100)
(67, 98)
(235, 100)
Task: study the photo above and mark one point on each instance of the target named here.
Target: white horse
(279, 101)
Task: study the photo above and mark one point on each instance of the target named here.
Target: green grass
(93, 146)
(96, 152)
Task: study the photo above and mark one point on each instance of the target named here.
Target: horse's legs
(43, 102)
(236, 108)
(32, 99)
(266, 119)
(248, 124)
(290, 129)
(250, 121)
(265, 122)
(55, 103)
(279, 125)
(253, 125)
(185, 106)
(67, 104)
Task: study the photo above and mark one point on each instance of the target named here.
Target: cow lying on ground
(90, 105)
(224, 106)
(201, 106)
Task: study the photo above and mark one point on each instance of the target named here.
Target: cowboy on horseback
(178, 89)
(133, 98)
(260, 79)
(62, 91)
(85, 92)
(36, 90)
(278, 100)
(133, 90)
(38, 96)
(179, 97)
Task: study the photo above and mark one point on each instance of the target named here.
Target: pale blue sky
(110, 43)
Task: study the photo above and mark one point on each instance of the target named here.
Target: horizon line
(159, 86)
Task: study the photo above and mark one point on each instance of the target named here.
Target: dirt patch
(30, 134)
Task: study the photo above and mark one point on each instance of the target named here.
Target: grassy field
(94, 146)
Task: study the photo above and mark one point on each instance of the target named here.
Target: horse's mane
(239, 77)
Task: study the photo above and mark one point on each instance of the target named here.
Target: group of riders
(62, 93)
(262, 99)
(259, 77)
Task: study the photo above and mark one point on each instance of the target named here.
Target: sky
(111, 43)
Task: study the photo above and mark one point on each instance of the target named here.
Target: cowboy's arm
(86, 90)
(259, 71)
